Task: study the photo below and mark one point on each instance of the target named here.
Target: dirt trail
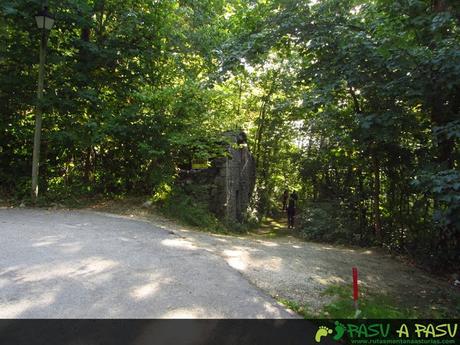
(292, 269)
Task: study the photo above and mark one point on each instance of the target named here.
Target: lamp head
(44, 19)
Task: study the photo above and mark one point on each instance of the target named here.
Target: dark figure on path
(292, 204)
(285, 199)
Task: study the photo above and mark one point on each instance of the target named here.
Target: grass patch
(272, 228)
(298, 308)
(371, 305)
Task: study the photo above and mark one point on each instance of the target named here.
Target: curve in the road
(77, 264)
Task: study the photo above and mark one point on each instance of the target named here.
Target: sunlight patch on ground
(329, 280)
(179, 243)
(235, 260)
(237, 264)
(246, 249)
(3, 282)
(269, 308)
(144, 291)
(340, 249)
(96, 265)
(47, 241)
(268, 244)
(187, 313)
(12, 310)
(149, 289)
(43, 244)
(124, 239)
(241, 260)
(71, 248)
(86, 267)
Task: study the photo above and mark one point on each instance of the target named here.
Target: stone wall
(228, 184)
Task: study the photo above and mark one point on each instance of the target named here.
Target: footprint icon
(321, 332)
(339, 330)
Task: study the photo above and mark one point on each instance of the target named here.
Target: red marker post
(355, 288)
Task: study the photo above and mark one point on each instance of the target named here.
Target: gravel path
(77, 264)
(92, 264)
(296, 270)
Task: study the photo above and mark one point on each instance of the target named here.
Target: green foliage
(327, 222)
(184, 207)
(125, 99)
(373, 87)
(372, 306)
(353, 103)
(444, 187)
(298, 308)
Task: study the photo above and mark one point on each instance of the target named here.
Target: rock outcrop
(227, 185)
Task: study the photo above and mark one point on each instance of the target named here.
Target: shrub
(191, 211)
(326, 222)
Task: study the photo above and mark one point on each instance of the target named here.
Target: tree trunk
(439, 111)
(445, 146)
(376, 198)
(262, 115)
(38, 117)
(361, 204)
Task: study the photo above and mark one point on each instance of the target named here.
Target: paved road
(78, 264)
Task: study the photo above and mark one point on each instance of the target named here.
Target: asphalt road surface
(82, 264)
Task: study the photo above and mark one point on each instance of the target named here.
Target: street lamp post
(45, 22)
